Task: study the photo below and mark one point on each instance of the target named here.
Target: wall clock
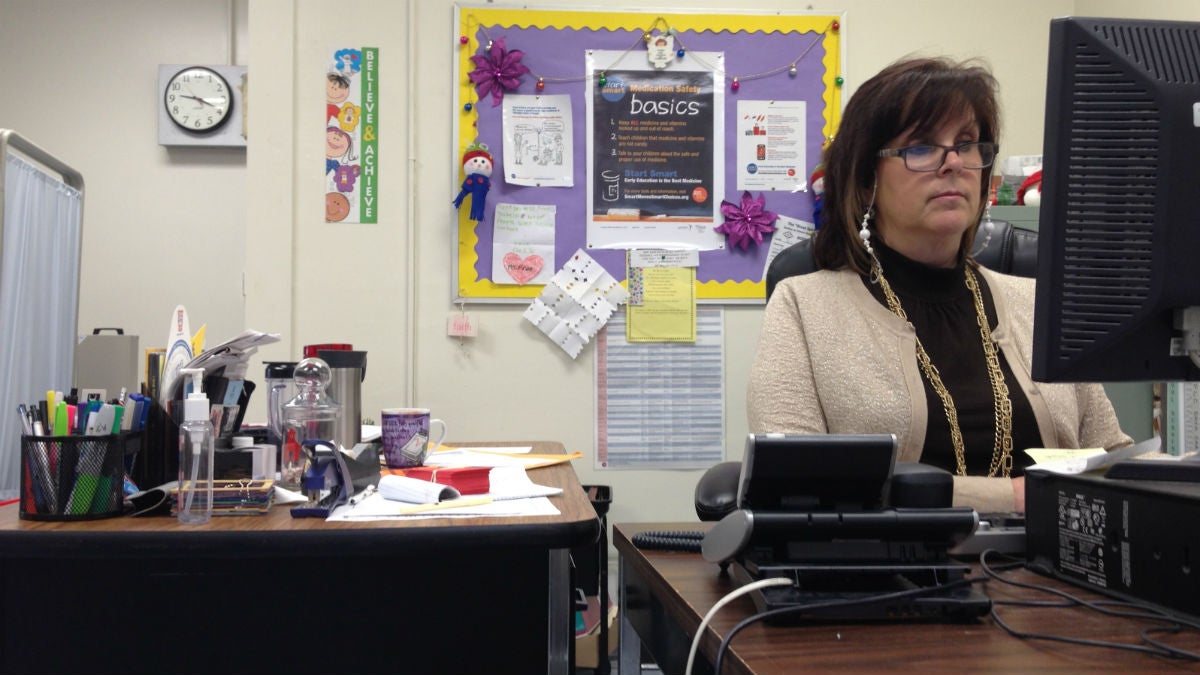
(201, 105)
(198, 99)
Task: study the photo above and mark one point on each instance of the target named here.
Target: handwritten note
(523, 243)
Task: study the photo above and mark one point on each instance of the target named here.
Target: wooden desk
(664, 595)
(274, 593)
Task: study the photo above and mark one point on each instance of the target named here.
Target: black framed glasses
(929, 157)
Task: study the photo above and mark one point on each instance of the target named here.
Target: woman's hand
(1019, 494)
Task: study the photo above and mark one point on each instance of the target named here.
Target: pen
(25, 423)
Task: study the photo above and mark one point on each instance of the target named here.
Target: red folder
(468, 480)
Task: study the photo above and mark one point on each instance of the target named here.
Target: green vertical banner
(369, 209)
(352, 136)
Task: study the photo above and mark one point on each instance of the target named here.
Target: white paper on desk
(504, 449)
(462, 457)
(1082, 461)
(512, 482)
(375, 507)
(371, 432)
(285, 496)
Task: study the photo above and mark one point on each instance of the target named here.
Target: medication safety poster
(654, 179)
(352, 136)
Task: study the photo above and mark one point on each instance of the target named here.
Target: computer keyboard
(1002, 532)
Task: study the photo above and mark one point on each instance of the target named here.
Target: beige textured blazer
(832, 359)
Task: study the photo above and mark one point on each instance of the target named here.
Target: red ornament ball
(836, 25)
(462, 40)
(541, 85)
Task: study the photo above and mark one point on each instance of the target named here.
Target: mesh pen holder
(75, 477)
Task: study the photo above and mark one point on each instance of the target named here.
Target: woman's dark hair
(918, 94)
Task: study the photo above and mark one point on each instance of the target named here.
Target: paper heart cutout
(522, 270)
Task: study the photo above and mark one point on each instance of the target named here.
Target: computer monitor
(1119, 233)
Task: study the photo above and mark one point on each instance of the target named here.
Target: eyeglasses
(928, 157)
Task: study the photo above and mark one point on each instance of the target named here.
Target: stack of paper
(236, 497)
(468, 480)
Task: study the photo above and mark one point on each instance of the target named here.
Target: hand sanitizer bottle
(195, 454)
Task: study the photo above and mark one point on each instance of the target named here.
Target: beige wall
(80, 80)
(238, 236)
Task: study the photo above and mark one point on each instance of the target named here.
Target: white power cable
(733, 595)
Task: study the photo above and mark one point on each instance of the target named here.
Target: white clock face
(198, 99)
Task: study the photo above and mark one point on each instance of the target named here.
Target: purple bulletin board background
(555, 44)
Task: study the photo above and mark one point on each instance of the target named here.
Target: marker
(118, 418)
(63, 416)
(100, 420)
(144, 410)
(132, 408)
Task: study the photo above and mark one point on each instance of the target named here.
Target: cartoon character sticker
(337, 90)
(337, 207)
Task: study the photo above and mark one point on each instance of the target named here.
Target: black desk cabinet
(273, 594)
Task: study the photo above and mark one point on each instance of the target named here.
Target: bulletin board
(754, 60)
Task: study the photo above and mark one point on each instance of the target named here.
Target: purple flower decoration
(750, 221)
(497, 71)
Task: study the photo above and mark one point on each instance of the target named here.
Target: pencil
(448, 504)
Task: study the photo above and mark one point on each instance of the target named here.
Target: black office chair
(1011, 250)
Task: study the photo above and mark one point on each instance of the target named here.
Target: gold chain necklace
(1002, 445)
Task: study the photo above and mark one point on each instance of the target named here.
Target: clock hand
(197, 98)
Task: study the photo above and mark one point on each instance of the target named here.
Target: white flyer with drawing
(537, 141)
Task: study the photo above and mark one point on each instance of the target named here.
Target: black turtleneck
(941, 308)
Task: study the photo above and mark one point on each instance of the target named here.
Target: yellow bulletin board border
(477, 24)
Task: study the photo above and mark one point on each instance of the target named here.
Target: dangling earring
(988, 228)
(865, 234)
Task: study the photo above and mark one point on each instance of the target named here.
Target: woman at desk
(900, 331)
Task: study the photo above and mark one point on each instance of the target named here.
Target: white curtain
(39, 298)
